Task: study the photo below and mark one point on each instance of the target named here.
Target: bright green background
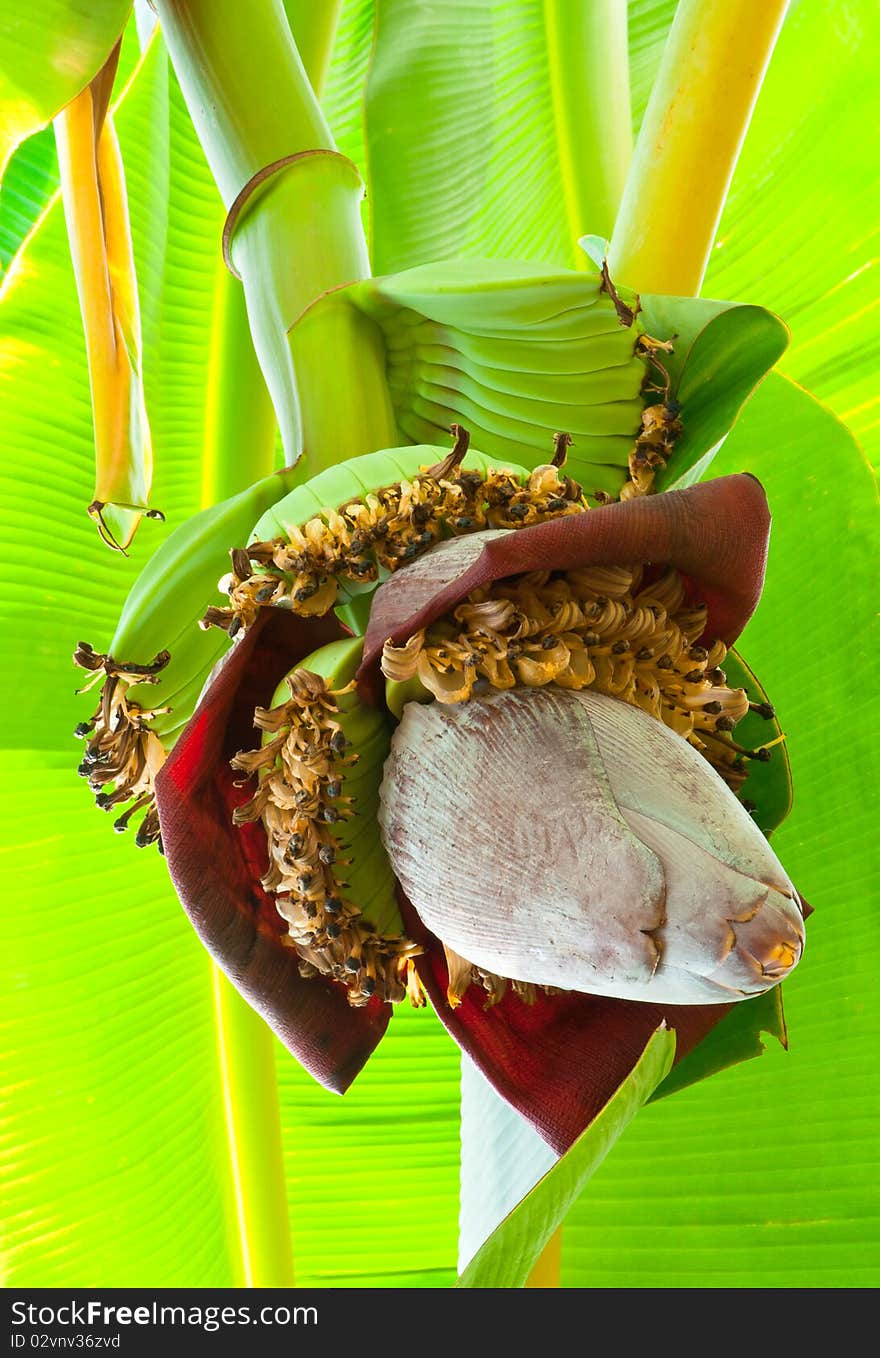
(114, 1138)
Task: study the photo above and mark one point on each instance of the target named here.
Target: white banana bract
(569, 840)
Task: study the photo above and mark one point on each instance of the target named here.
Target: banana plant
(538, 283)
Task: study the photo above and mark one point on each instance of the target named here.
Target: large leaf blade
(757, 1177)
(30, 181)
(116, 1117)
(447, 167)
(48, 53)
(96, 1000)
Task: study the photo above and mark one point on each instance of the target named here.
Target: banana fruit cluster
(319, 768)
(514, 351)
(336, 555)
(325, 543)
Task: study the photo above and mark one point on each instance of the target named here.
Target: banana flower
(539, 645)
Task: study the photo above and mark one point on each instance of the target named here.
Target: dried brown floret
(303, 807)
(387, 529)
(122, 755)
(660, 426)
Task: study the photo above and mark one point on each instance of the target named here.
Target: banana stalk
(96, 211)
(293, 230)
(699, 111)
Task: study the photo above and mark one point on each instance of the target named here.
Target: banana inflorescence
(317, 730)
(623, 631)
(319, 769)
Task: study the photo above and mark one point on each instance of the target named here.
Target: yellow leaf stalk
(697, 117)
(96, 211)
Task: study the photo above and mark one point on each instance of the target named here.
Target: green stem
(313, 26)
(589, 80)
(698, 114)
(244, 83)
(238, 449)
(250, 1102)
(239, 446)
(294, 230)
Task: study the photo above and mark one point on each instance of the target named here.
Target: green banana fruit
(515, 352)
(319, 768)
(392, 505)
(159, 658)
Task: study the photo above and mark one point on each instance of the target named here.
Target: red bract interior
(216, 866)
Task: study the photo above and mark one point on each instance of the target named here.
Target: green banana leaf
(508, 1255)
(738, 1037)
(444, 142)
(761, 1177)
(727, 359)
(30, 180)
(343, 96)
(49, 51)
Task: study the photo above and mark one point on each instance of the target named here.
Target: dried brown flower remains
(387, 529)
(606, 628)
(121, 748)
(303, 805)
